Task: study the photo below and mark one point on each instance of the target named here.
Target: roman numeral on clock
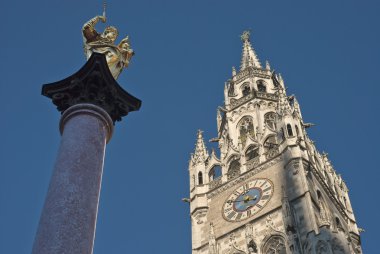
(232, 214)
(265, 197)
(259, 206)
(239, 216)
(267, 189)
(227, 210)
(249, 213)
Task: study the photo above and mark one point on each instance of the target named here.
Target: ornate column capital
(92, 84)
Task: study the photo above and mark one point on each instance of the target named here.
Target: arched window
(252, 153)
(246, 90)
(233, 169)
(261, 86)
(290, 130)
(275, 245)
(215, 172)
(270, 142)
(246, 128)
(297, 131)
(200, 178)
(270, 120)
(271, 147)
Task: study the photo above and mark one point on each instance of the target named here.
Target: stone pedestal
(91, 101)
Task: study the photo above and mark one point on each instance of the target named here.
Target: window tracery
(246, 129)
(275, 245)
(271, 146)
(246, 89)
(270, 120)
(233, 169)
(252, 153)
(215, 172)
(261, 86)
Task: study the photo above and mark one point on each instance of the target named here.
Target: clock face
(248, 199)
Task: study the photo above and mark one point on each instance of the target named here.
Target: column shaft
(68, 219)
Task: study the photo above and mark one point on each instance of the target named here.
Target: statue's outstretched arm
(88, 29)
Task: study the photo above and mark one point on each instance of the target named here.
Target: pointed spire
(233, 71)
(248, 57)
(200, 153)
(267, 65)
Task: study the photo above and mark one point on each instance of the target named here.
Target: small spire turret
(200, 154)
(249, 57)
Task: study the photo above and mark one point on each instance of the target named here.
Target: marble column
(91, 101)
(68, 219)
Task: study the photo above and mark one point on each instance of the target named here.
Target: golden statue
(118, 56)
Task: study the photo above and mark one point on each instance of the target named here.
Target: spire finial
(200, 153)
(249, 57)
(245, 35)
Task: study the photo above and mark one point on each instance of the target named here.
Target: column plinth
(90, 102)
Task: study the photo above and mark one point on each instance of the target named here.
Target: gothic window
(215, 172)
(275, 245)
(297, 131)
(246, 129)
(246, 89)
(233, 169)
(270, 120)
(252, 153)
(200, 178)
(261, 87)
(270, 142)
(289, 129)
(271, 147)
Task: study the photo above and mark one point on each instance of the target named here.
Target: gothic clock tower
(268, 191)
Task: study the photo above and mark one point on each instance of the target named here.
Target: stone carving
(269, 224)
(251, 245)
(213, 248)
(246, 129)
(215, 183)
(233, 249)
(118, 56)
(94, 84)
(275, 245)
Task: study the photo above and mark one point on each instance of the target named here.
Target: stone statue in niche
(117, 56)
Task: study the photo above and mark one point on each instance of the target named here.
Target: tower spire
(200, 153)
(248, 56)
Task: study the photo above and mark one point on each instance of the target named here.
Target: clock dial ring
(247, 200)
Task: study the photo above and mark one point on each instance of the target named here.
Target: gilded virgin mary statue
(118, 56)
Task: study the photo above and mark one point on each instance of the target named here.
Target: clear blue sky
(327, 52)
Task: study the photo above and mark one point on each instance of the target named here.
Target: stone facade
(261, 135)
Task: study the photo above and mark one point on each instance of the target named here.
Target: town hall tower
(267, 190)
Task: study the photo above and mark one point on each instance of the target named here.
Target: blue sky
(327, 52)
